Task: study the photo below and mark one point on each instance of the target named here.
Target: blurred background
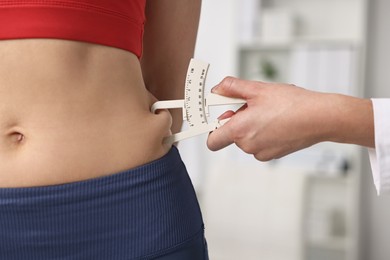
(319, 203)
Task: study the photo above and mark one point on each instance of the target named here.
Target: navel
(16, 137)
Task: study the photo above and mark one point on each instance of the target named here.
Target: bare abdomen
(73, 111)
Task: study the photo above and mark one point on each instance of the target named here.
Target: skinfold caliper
(195, 105)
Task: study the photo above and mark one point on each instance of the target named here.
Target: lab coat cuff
(380, 156)
(375, 169)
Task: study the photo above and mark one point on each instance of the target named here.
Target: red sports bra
(116, 23)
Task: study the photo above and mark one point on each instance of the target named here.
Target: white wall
(217, 38)
(376, 210)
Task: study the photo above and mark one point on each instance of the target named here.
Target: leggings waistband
(122, 216)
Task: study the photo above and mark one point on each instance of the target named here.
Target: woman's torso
(71, 111)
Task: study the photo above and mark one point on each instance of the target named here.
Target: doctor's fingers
(221, 137)
(236, 88)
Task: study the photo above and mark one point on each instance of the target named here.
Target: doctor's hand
(279, 119)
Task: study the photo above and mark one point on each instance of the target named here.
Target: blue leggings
(194, 249)
(149, 212)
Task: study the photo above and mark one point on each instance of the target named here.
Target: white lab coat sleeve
(380, 156)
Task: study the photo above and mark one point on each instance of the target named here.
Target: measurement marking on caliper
(195, 106)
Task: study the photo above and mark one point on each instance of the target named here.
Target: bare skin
(72, 111)
(280, 119)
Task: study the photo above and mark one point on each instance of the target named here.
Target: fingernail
(215, 89)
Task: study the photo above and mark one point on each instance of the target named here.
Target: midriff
(71, 111)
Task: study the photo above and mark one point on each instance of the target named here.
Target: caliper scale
(195, 106)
